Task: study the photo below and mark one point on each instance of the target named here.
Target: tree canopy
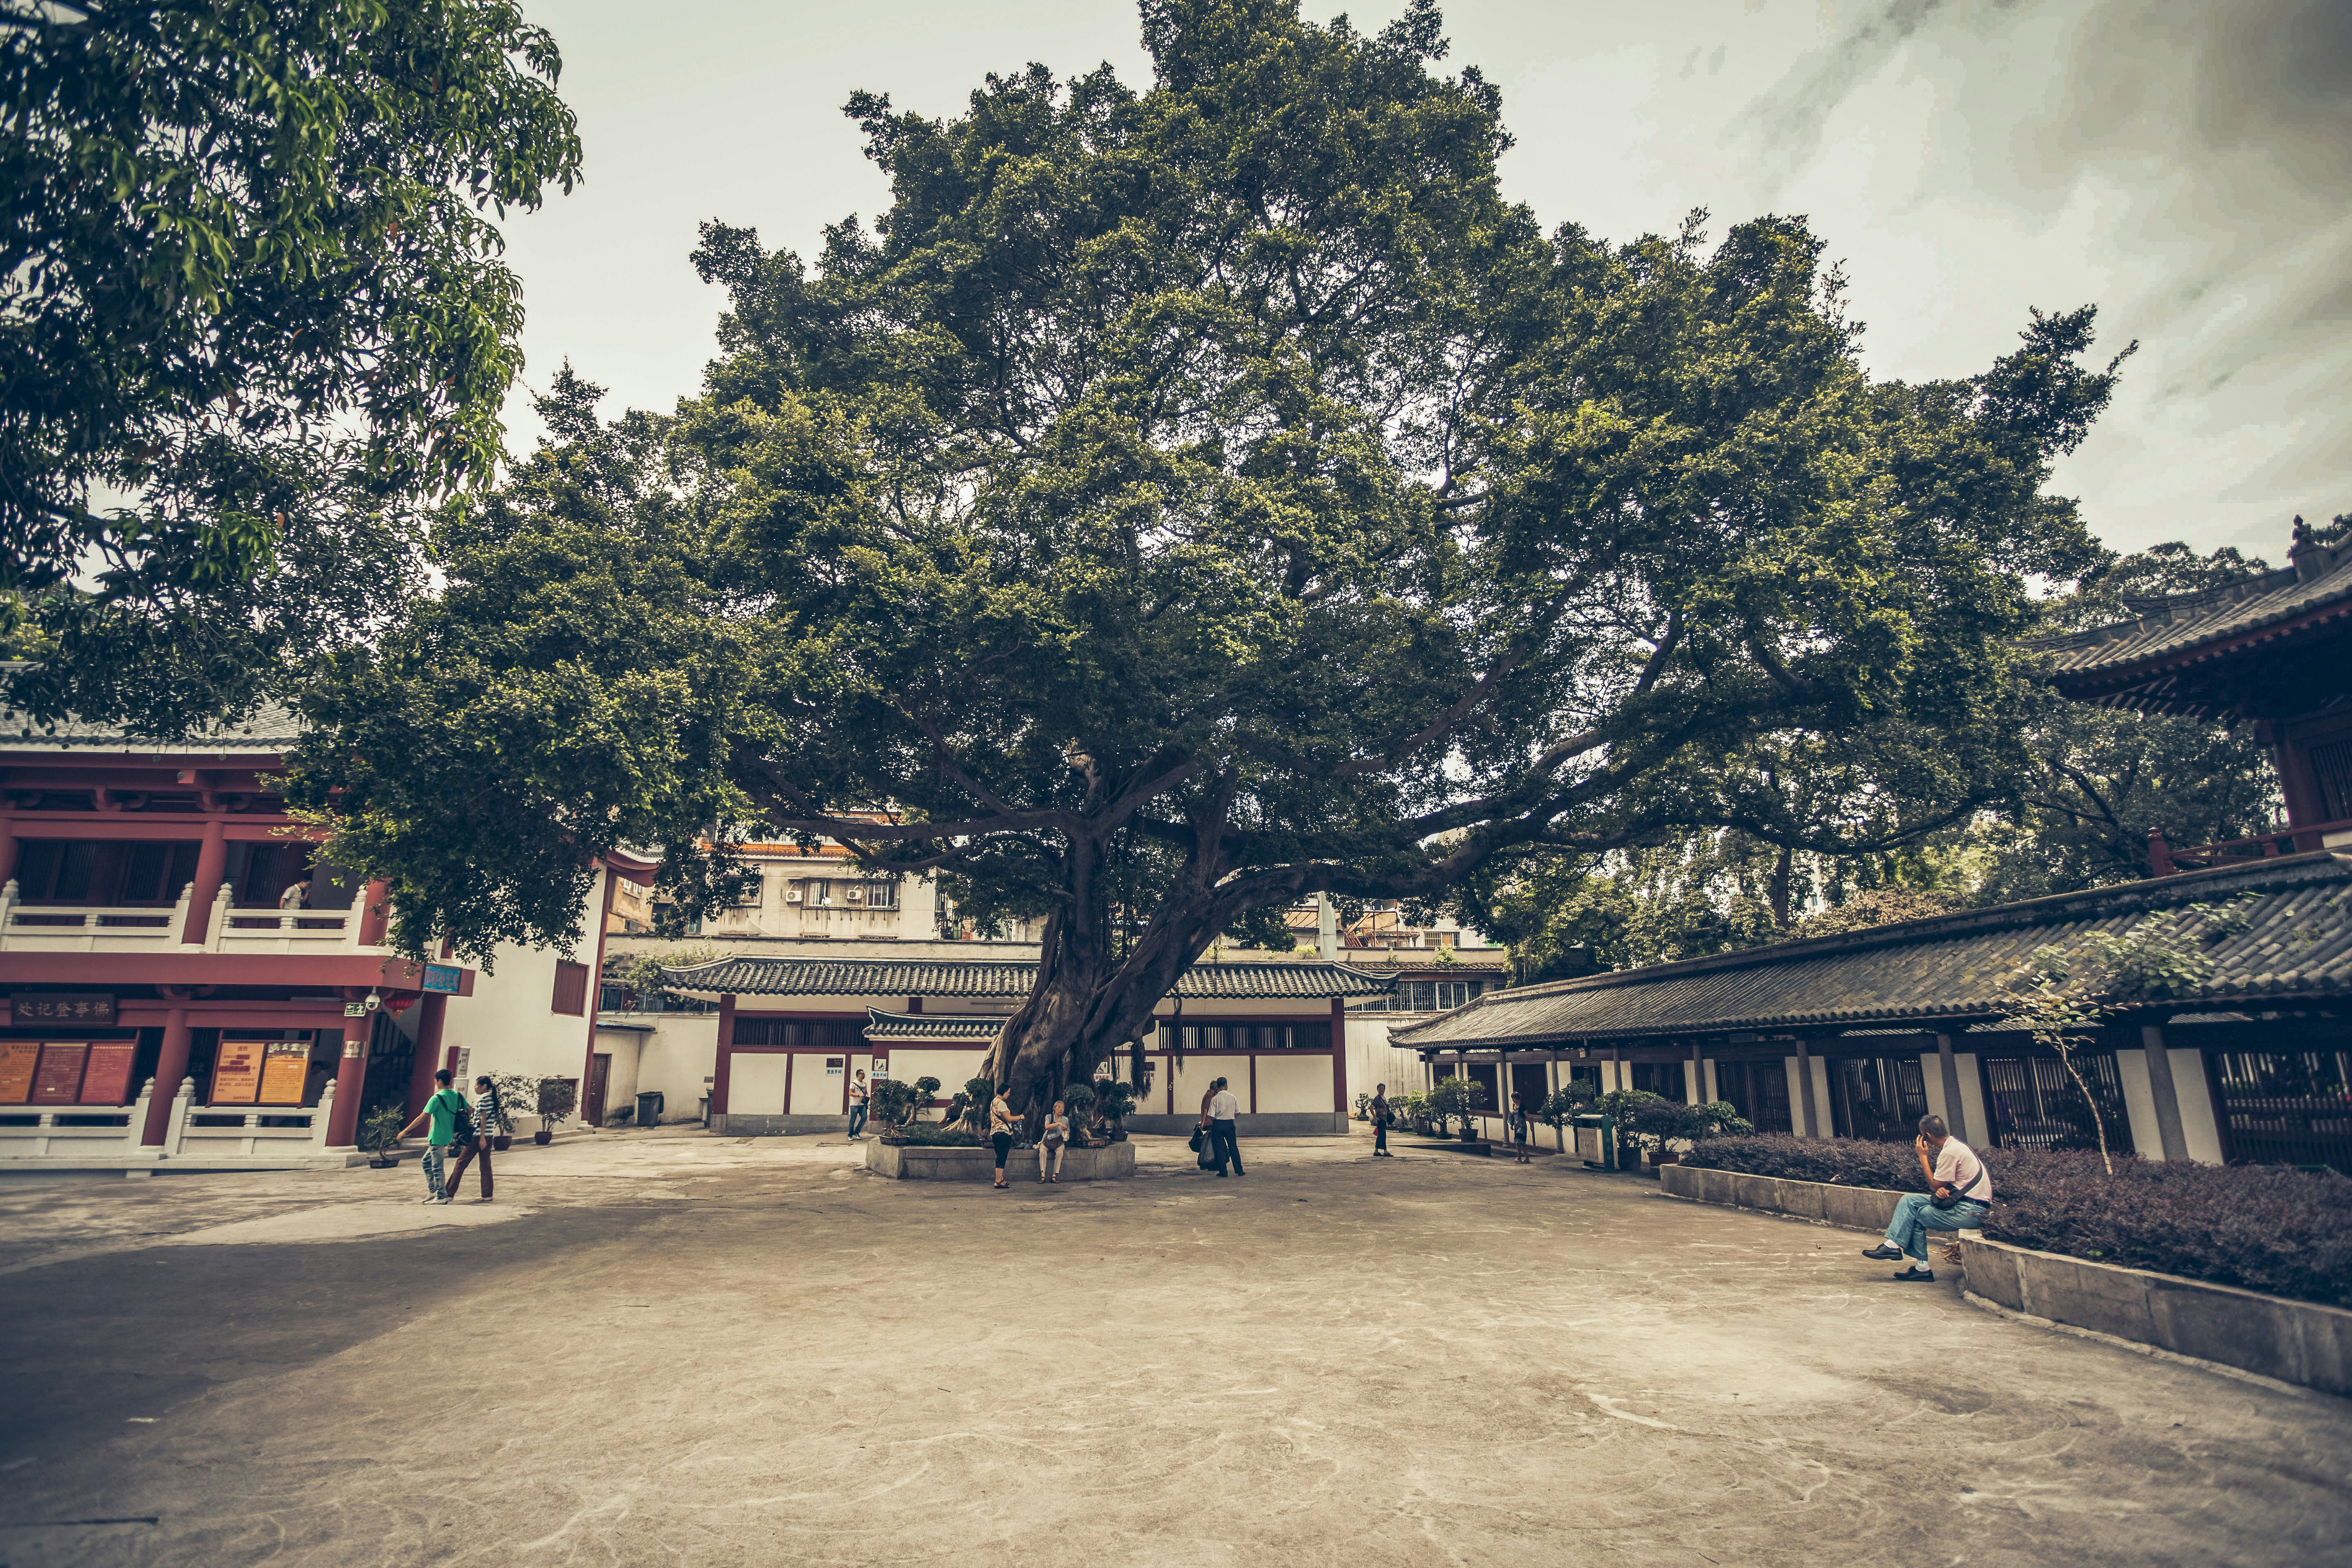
(1183, 499)
(251, 285)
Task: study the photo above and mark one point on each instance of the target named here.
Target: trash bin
(649, 1108)
(1596, 1140)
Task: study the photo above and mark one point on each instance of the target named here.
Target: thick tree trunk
(1086, 1003)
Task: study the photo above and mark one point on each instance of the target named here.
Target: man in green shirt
(441, 1111)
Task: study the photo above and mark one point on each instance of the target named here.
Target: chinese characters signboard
(57, 1081)
(237, 1072)
(285, 1067)
(16, 1059)
(57, 1008)
(442, 979)
(106, 1080)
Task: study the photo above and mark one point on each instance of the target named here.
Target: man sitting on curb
(1956, 1177)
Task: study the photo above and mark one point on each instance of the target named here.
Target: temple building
(188, 987)
(791, 1031)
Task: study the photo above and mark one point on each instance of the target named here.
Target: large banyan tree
(1182, 501)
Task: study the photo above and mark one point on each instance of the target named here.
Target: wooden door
(592, 1103)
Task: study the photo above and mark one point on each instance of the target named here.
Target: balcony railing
(74, 928)
(2163, 859)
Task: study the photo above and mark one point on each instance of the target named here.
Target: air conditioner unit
(855, 897)
(792, 896)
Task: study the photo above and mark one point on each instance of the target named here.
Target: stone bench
(926, 1162)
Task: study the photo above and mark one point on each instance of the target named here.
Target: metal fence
(2036, 1103)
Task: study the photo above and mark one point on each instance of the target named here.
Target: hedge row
(2265, 1227)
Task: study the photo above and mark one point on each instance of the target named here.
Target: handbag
(1052, 1139)
(1194, 1142)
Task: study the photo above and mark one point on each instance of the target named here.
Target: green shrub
(380, 1131)
(935, 1135)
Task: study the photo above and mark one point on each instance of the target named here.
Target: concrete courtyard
(663, 1347)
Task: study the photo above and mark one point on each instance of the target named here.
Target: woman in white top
(1050, 1141)
(999, 1133)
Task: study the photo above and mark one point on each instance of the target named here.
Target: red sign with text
(57, 1081)
(106, 1080)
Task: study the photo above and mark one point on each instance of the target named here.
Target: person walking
(1379, 1112)
(858, 1094)
(489, 1119)
(999, 1133)
(442, 1111)
(1222, 1111)
(1517, 1126)
(1050, 1141)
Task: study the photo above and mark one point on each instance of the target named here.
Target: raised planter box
(1859, 1208)
(916, 1163)
(1265, 1125)
(2294, 1342)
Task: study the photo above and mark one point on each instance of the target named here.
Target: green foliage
(1187, 499)
(1456, 1096)
(228, 227)
(382, 1129)
(936, 1135)
(893, 1103)
(642, 974)
(1262, 928)
(1572, 1099)
(1078, 1098)
(556, 1099)
(1115, 1100)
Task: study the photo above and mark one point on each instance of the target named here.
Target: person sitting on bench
(1959, 1193)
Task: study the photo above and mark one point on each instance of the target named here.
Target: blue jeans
(857, 1116)
(434, 1154)
(1917, 1214)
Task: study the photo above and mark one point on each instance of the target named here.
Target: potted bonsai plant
(1114, 1103)
(381, 1131)
(558, 1098)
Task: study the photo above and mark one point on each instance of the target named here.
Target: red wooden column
(170, 1068)
(351, 1085)
(212, 865)
(1340, 1055)
(372, 912)
(7, 847)
(719, 1073)
(429, 1016)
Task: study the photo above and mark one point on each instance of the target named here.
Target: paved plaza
(669, 1348)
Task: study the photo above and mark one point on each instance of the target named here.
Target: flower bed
(2282, 1232)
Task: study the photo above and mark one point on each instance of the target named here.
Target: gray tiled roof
(1942, 973)
(271, 729)
(980, 977)
(2171, 627)
(963, 1027)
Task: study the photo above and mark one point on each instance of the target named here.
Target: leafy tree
(1182, 501)
(228, 228)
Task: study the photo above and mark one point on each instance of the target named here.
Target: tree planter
(542, 1136)
(502, 1142)
(2294, 1342)
(920, 1162)
(378, 1162)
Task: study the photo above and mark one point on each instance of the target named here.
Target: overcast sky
(2184, 165)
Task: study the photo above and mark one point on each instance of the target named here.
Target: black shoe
(1883, 1252)
(1917, 1275)
(1220, 1175)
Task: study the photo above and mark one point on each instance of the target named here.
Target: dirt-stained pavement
(668, 1348)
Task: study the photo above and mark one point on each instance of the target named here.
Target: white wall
(2200, 1131)
(755, 1083)
(1289, 1084)
(509, 1025)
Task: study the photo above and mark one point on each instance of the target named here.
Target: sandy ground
(668, 1348)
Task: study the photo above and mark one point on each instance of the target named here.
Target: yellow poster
(237, 1072)
(284, 1071)
(16, 1059)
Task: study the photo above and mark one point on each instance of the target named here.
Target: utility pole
(1327, 930)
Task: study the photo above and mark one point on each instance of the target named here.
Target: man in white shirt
(1962, 1196)
(1222, 1109)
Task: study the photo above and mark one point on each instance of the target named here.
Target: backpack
(461, 1127)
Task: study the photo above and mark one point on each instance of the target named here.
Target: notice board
(285, 1068)
(16, 1059)
(237, 1072)
(57, 1079)
(106, 1080)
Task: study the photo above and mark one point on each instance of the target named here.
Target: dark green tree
(1182, 501)
(229, 231)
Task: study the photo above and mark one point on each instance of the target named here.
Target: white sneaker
(428, 1200)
